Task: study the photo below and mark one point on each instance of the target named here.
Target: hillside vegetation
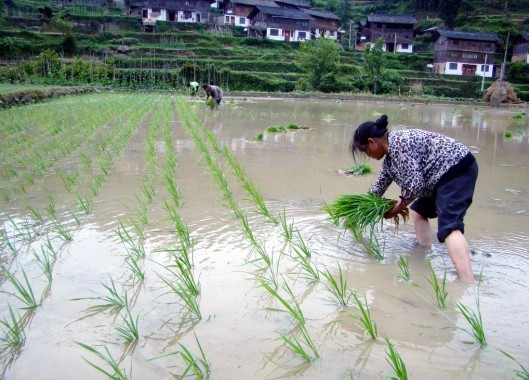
(75, 44)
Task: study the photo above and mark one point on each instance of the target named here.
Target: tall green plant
(319, 59)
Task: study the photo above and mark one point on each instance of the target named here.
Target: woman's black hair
(367, 130)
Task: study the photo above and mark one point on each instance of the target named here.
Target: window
(470, 55)
(302, 35)
(406, 36)
(454, 54)
(242, 20)
(227, 20)
(455, 42)
(452, 66)
(274, 32)
(405, 46)
(485, 68)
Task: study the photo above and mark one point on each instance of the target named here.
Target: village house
(458, 52)
(280, 24)
(395, 29)
(171, 10)
(521, 49)
(235, 12)
(324, 24)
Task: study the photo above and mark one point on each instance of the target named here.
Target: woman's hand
(401, 208)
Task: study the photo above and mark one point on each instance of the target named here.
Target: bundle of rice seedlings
(361, 169)
(211, 103)
(359, 212)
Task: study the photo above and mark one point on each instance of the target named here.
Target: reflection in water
(295, 172)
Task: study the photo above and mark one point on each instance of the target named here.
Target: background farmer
(193, 88)
(435, 172)
(214, 92)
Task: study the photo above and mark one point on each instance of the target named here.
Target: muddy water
(295, 172)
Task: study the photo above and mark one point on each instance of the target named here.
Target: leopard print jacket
(416, 160)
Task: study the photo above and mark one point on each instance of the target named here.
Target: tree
(374, 60)
(319, 59)
(448, 10)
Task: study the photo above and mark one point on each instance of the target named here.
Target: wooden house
(280, 24)
(324, 24)
(235, 12)
(171, 10)
(395, 29)
(521, 49)
(458, 52)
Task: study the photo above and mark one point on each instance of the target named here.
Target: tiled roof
(392, 18)
(284, 13)
(296, 3)
(268, 3)
(464, 35)
(322, 14)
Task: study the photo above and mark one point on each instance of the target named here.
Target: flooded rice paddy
(177, 212)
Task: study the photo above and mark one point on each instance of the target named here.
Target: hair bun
(382, 122)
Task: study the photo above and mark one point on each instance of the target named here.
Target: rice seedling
(262, 253)
(337, 287)
(439, 288)
(24, 292)
(136, 248)
(403, 263)
(45, 262)
(395, 361)
(85, 204)
(361, 169)
(190, 300)
(62, 231)
(249, 186)
(301, 245)
(181, 227)
(114, 373)
(271, 274)
(309, 272)
(197, 365)
(372, 245)
(522, 373)
(364, 319)
(86, 162)
(475, 321)
(135, 268)
(50, 208)
(13, 334)
(36, 213)
(288, 228)
(49, 247)
(148, 190)
(129, 331)
(70, 180)
(302, 344)
(74, 215)
(293, 310)
(111, 300)
(8, 242)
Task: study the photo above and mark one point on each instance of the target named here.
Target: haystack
(500, 92)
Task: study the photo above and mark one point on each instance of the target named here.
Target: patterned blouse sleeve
(383, 181)
(406, 162)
